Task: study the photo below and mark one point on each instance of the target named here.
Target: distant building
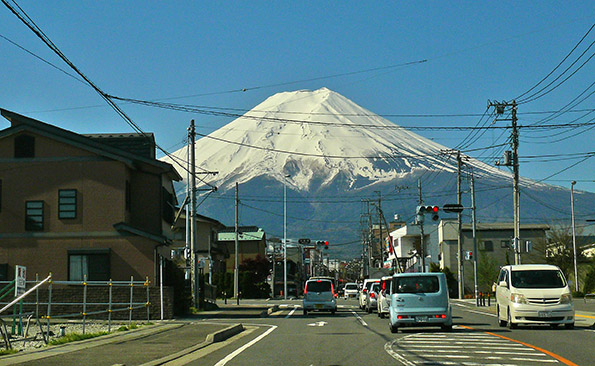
(494, 240)
(251, 243)
(99, 206)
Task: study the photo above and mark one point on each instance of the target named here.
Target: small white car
(533, 294)
(365, 288)
(350, 290)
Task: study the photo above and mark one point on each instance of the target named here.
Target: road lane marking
(557, 357)
(245, 347)
(359, 318)
(295, 307)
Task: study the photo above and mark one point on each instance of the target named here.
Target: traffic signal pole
(475, 253)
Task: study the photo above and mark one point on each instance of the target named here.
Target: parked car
(372, 297)
(365, 288)
(533, 294)
(350, 290)
(383, 302)
(319, 295)
(419, 299)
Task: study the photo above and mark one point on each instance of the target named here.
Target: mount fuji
(332, 157)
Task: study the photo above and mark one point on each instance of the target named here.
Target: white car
(350, 290)
(363, 293)
(533, 294)
(383, 302)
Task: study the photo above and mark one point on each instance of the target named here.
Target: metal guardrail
(588, 296)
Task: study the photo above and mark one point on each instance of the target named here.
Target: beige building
(493, 241)
(76, 205)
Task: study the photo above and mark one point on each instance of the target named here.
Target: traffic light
(326, 244)
(422, 210)
(469, 255)
(304, 241)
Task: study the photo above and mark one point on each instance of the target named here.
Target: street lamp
(573, 234)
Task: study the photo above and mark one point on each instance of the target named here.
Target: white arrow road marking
(318, 324)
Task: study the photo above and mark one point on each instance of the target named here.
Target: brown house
(75, 205)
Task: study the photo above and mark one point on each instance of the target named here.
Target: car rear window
(376, 287)
(416, 285)
(318, 286)
(351, 287)
(538, 279)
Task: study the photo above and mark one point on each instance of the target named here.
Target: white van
(533, 294)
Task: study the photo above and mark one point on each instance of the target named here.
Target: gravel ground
(35, 338)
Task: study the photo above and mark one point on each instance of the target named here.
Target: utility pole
(474, 221)
(380, 240)
(573, 235)
(193, 273)
(500, 107)
(422, 244)
(517, 193)
(285, 239)
(460, 230)
(237, 251)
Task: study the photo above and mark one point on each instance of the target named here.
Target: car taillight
(372, 295)
(402, 316)
(443, 316)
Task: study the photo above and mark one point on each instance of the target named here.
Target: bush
(589, 286)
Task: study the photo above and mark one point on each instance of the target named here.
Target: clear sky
(204, 53)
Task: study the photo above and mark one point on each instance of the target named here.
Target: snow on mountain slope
(315, 136)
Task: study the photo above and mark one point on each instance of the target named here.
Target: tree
(487, 272)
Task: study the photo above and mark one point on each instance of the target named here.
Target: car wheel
(510, 324)
(369, 309)
(501, 322)
(305, 312)
(569, 326)
(446, 328)
(333, 311)
(393, 328)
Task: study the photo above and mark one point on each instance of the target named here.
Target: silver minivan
(419, 299)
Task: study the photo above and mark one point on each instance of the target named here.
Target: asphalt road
(353, 337)
(286, 337)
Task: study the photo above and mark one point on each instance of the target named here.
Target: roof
(135, 143)
(244, 235)
(93, 144)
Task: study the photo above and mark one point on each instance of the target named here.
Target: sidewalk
(191, 333)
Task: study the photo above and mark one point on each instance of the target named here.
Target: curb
(215, 337)
(269, 311)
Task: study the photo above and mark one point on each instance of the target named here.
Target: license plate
(544, 314)
(421, 319)
(318, 306)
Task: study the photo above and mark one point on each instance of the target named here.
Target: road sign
(452, 207)
(20, 280)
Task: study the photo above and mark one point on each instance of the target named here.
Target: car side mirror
(503, 284)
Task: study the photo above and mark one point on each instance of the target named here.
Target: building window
(34, 215)
(67, 204)
(504, 243)
(486, 245)
(167, 206)
(95, 264)
(24, 146)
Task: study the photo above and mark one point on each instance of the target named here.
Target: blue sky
(202, 53)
